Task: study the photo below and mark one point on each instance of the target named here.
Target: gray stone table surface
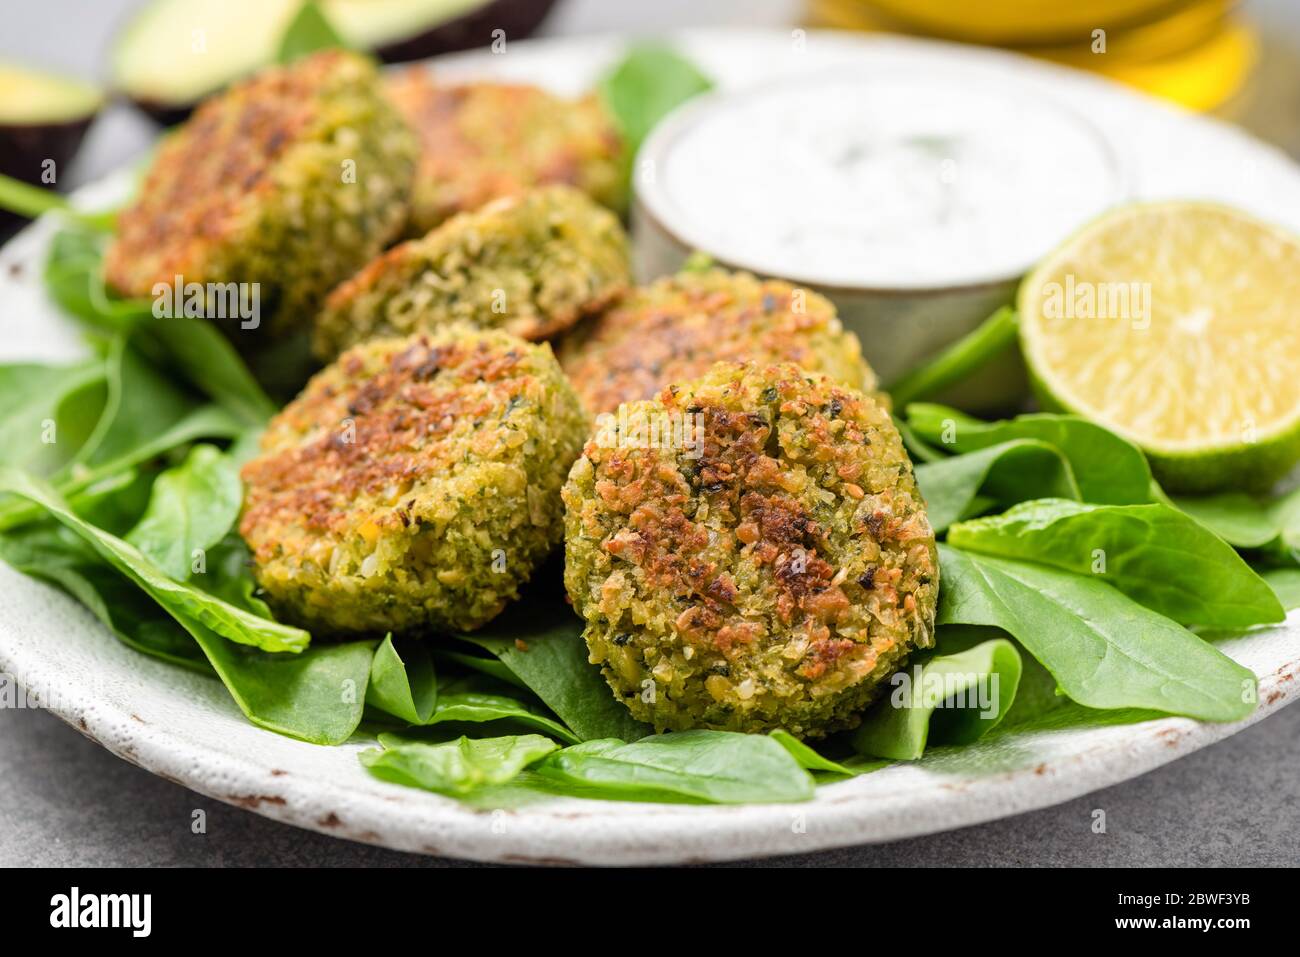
(64, 801)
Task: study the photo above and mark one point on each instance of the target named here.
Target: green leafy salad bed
(1074, 591)
(1065, 571)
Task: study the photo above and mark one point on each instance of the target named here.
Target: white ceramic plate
(185, 727)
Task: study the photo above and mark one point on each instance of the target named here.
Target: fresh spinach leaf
(228, 574)
(201, 352)
(1236, 517)
(917, 448)
(309, 31)
(129, 614)
(52, 553)
(855, 765)
(1268, 526)
(482, 664)
(192, 507)
(645, 86)
(246, 447)
(1285, 583)
(1155, 554)
(117, 502)
(953, 697)
(477, 707)
(204, 422)
(141, 415)
(824, 768)
(74, 280)
(404, 685)
(1104, 649)
(1108, 469)
(141, 403)
(184, 602)
(540, 640)
(1038, 707)
(47, 412)
(317, 695)
(1285, 511)
(455, 767)
(196, 348)
(717, 766)
(967, 355)
(31, 201)
(1010, 472)
(207, 421)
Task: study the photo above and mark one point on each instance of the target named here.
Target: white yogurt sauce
(879, 180)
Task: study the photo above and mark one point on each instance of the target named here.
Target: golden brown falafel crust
(772, 575)
(413, 483)
(481, 141)
(677, 327)
(532, 264)
(255, 187)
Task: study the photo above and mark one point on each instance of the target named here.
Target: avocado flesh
(229, 39)
(43, 119)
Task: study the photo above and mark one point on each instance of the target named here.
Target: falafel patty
(414, 483)
(481, 141)
(531, 264)
(772, 574)
(677, 327)
(292, 179)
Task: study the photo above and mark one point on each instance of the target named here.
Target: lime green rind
(1254, 467)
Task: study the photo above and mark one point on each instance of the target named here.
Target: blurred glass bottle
(1198, 53)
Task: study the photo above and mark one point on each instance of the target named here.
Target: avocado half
(43, 119)
(173, 53)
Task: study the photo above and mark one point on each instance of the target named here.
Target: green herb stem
(960, 360)
(33, 201)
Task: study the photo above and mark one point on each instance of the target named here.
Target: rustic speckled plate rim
(185, 728)
(216, 753)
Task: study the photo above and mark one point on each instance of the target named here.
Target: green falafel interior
(759, 592)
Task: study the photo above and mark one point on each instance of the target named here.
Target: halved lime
(1177, 325)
